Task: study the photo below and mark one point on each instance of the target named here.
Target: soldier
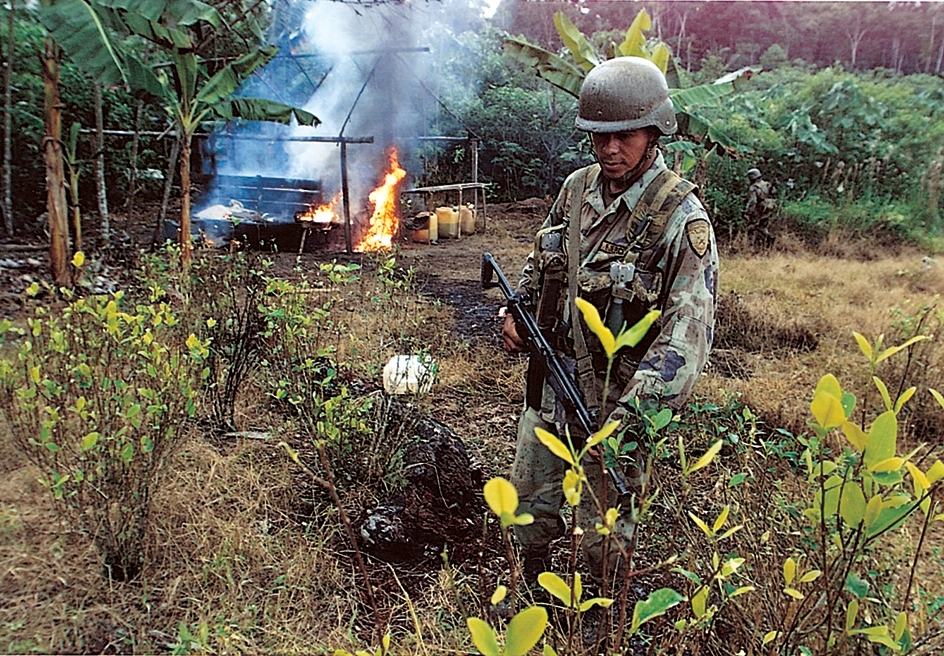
(760, 206)
(629, 236)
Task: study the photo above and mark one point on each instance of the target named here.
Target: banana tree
(56, 207)
(701, 135)
(99, 35)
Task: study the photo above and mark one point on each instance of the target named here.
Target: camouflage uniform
(677, 275)
(760, 207)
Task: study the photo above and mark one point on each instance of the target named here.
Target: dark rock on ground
(441, 503)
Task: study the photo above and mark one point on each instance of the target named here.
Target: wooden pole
(347, 199)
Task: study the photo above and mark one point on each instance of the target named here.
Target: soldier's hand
(512, 341)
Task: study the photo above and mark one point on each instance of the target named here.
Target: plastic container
(421, 235)
(448, 222)
(409, 374)
(467, 220)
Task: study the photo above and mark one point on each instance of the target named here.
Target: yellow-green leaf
(721, 519)
(702, 525)
(796, 594)
(812, 575)
(901, 623)
(936, 472)
(770, 636)
(827, 403)
(499, 594)
(592, 318)
(855, 435)
(483, 637)
(602, 434)
(576, 42)
(699, 602)
(632, 44)
(887, 465)
(632, 336)
(291, 452)
(89, 441)
(78, 259)
(602, 602)
(886, 397)
(903, 399)
(556, 586)
(731, 531)
(573, 486)
(708, 456)
(887, 353)
(864, 345)
(882, 439)
(921, 482)
(743, 590)
(789, 570)
(851, 612)
(872, 510)
(524, 631)
(731, 566)
(852, 504)
(524, 519)
(937, 396)
(501, 496)
(555, 445)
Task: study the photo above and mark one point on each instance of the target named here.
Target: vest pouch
(595, 288)
(553, 295)
(645, 294)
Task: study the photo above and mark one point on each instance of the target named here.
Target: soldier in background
(760, 207)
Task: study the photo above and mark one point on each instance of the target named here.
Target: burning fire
(324, 214)
(384, 222)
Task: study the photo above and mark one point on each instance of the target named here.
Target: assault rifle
(544, 359)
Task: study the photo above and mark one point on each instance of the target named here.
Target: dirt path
(450, 271)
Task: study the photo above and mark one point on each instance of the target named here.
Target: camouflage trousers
(538, 476)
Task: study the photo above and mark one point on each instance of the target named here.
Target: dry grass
(787, 303)
(244, 545)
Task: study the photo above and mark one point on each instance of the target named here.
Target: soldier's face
(619, 152)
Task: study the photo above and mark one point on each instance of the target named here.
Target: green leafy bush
(97, 397)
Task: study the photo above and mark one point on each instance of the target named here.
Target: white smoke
(375, 86)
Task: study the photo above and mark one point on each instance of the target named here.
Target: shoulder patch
(699, 236)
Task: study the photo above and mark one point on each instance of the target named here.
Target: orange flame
(385, 221)
(324, 214)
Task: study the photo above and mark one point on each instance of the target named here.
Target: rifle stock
(542, 352)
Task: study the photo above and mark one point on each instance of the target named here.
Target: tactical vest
(622, 295)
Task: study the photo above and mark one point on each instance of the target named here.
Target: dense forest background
(904, 37)
(842, 113)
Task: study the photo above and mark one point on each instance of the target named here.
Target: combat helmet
(754, 174)
(625, 93)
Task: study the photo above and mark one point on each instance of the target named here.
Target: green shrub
(97, 396)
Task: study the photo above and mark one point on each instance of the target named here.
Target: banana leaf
(574, 39)
(185, 12)
(550, 67)
(84, 34)
(260, 109)
(227, 80)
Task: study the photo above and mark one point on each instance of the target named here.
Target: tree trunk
(77, 226)
(56, 207)
(135, 143)
(7, 204)
(185, 202)
(100, 164)
(168, 183)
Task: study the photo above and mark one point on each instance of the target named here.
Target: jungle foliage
(859, 150)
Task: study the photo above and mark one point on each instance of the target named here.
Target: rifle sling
(584, 361)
